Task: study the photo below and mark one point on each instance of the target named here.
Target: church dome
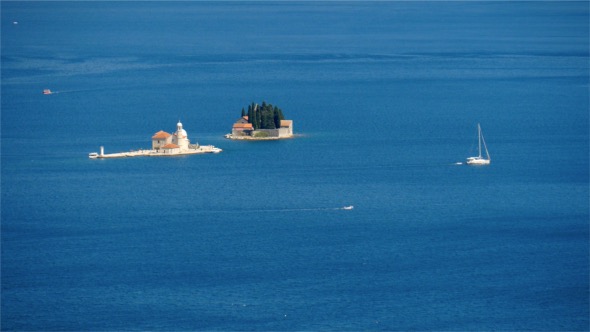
(181, 133)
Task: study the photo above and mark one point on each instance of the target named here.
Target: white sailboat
(480, 160)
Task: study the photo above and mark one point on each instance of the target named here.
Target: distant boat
(47, 92)
(480, 160)
(350, 207)
(93, 155)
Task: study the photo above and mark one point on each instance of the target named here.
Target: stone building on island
(242, 129)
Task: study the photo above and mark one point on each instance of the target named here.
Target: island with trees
(261, 122)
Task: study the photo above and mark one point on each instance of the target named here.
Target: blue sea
(385, 99)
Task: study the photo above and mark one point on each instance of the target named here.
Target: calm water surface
(385, 98)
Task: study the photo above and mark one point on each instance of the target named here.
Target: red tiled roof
(286, 123)
(170, 146)
(243, 126)
(160, 135)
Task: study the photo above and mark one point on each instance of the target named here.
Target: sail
(485, 147)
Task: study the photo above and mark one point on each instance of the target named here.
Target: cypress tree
(270, 122)
(277, 119)
(264, 116)
(249, 114)
(255, 118)
(252, 118)
(280, 114)
(267, 117)
(258, 118)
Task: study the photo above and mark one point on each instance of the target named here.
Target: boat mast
(479, 138)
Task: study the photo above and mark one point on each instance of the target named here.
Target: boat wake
(50, 92)
(350, 207)
(75, 91)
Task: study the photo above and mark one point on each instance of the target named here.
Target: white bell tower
(181, 137)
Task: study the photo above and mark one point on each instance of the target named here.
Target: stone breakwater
(156, 153)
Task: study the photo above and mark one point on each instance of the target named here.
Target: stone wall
(237, 132)
(269, 132)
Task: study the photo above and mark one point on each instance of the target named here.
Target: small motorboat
(93, 155)
(350, 207)
(47, 92)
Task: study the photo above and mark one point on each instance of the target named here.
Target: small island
(163, 145)
(261, 122)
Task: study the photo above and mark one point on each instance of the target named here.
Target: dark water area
(385, 99)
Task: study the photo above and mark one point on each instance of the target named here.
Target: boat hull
(476, 161)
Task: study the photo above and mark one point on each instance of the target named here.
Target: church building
(171, 143)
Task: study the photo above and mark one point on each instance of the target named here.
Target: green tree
(280, 113)
(250, 117)
(276, 117)
(258, 118)
(254, 120)
(268, 121)
(264, 116)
